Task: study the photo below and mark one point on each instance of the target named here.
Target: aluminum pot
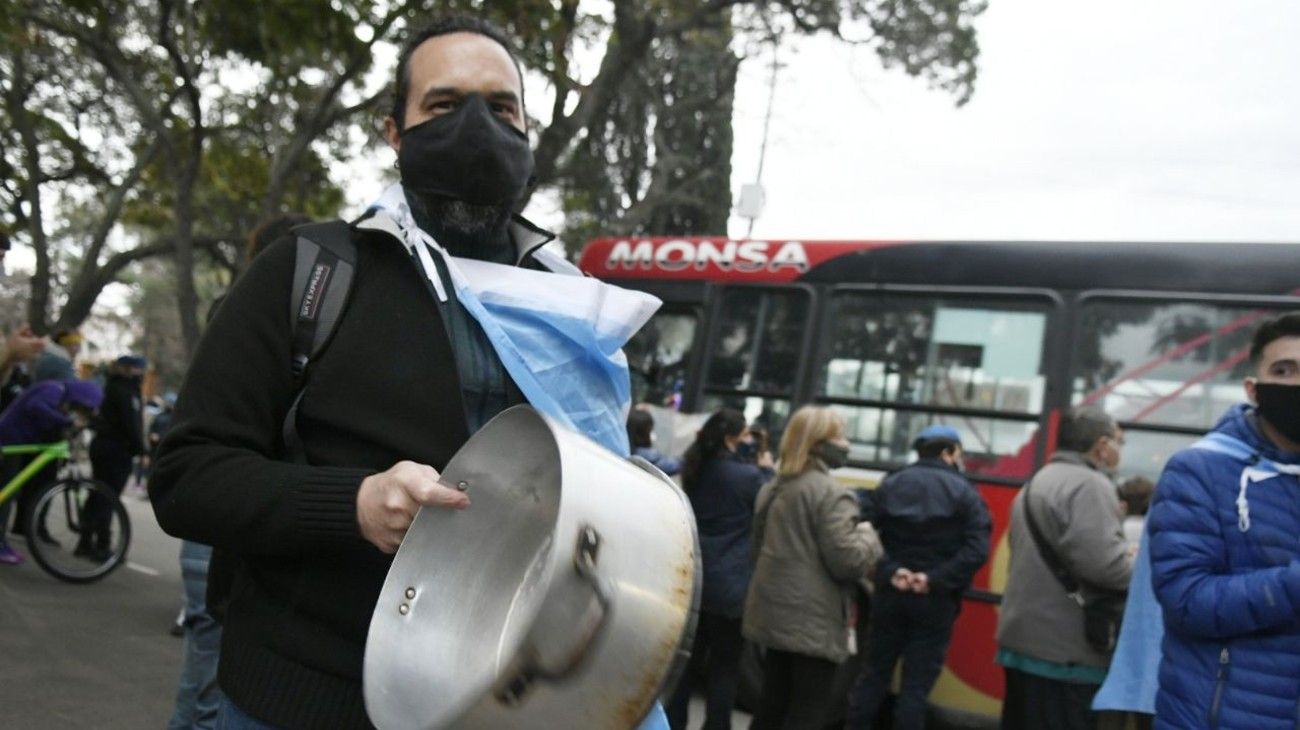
(565, 597)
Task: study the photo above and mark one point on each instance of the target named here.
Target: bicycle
(77, 528)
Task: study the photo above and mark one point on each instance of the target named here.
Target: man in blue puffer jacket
(1225, 556)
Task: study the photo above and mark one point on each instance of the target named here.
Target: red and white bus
(991, 338)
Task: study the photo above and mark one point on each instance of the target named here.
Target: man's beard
(462, 228)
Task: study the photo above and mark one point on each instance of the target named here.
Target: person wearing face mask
(809, 553)
(1225, 559)
(935, 530)
(1052, 668)
(722, 486)
(305, 479)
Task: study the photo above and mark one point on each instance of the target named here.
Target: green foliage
(278, 34)
(151, 126)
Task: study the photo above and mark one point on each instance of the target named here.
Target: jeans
(915, 628)
(718, 642)
(197, 694)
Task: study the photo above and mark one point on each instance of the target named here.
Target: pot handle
(597, 619)
(584, 563)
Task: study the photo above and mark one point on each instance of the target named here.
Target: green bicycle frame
(46, 453)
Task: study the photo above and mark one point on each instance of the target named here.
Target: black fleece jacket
(120, 424)
(385, 389)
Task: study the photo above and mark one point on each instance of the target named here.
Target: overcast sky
(1169, 119)
(1107, 120)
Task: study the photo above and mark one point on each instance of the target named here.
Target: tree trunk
(187, 298)
(39, 304)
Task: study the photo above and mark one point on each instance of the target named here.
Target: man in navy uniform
(935, 529)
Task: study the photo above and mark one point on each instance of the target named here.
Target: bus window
(1000, 447)
(657, 356)
(1145, 452)
(926, 352)
(937, 352)
(1163, 363)
(756, 354)
(759, 340)
(769, 414)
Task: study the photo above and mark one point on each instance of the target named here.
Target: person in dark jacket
(409, 374)
(722, 487)
(119, 439)
(40, 414)
(935, 530)
(640, 434)
(1225, 561)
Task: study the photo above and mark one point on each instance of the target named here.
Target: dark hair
(1082, 426)
(441, 27)
(934, 448)
(640, 424)
(708, 441)
(1136, 493)
(1286, 325)
(271, 230)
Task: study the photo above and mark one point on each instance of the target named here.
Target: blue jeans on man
(197, 695)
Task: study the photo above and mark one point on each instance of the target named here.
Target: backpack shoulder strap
(322, 278)
(1047, 552)
(323, 272)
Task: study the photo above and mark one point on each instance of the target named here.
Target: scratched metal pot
(565, 597)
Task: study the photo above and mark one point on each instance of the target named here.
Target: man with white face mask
(1225, 557)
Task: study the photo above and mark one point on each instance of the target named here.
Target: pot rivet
(410, 593)
(404, 609)
(462, 486)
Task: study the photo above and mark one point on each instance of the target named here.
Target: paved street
(99, 655)
(92, 656)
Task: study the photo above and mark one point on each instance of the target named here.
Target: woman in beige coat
(809, 553)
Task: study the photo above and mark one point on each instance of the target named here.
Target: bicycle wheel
(78, 530)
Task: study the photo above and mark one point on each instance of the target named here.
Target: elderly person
(1053, 665)
(810, 553)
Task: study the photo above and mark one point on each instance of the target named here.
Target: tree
(124, 112)
(635, 148)
(133, 128)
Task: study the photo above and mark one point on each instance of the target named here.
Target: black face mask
(470, 155)
(1279, 404)
(834, 455)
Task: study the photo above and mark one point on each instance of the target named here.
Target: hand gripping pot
(565, 597)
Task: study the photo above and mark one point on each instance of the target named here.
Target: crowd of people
(790, 556)
(1109, 619)
(41, 401)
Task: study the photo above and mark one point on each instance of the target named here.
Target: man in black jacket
(119, 439)
(406, 378)
(935, 529)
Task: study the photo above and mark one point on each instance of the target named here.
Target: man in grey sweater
(1052, 672)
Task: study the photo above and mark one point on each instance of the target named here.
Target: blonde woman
(809, 552)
